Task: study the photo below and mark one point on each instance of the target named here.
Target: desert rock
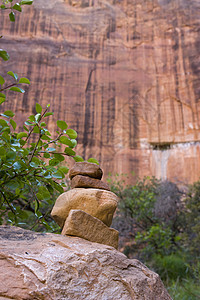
(54, 267)
(81, 224)
(80, 181)
(86, 169)
(98, 203)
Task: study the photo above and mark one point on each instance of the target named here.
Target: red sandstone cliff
(123, 73)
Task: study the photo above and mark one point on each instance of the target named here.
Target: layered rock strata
(124, 74)
(87, 212)
(54, 267)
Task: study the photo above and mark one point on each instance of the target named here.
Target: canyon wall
(123, 73)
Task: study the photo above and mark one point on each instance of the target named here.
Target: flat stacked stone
(86, 169)
(87, 209)
(87, 175)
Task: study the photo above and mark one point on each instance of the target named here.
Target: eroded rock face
(124, 74)
(55, 267)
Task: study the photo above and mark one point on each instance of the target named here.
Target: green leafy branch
(9, 4)
(13, 86)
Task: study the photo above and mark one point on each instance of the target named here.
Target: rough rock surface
(124, 74)
(83, 225)
(54, 267)
(98, 203)
(80, 181)
(86, 169)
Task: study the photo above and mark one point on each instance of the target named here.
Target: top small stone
(86, 169)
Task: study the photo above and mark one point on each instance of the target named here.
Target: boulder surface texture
(54, 267)
(98, 203)
(83, 225)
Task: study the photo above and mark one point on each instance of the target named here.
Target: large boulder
(49, 266)
(98, 203)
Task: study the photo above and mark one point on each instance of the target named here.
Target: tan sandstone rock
(54, 267)
(80, 181)
(86, 169)
(98, 203)
(83, 225)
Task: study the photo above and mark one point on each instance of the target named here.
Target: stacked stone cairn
(86, 211)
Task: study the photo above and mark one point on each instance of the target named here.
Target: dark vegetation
(159, 224)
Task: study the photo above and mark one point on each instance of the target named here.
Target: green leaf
(2, 100)
(64, 140)
(2, 151)
(71, 133)
(26, 2)
(13, 124)
(34, 164)
(14, 75)
(2, 95)
(2, 80)
(12, 16)
(24, 80)
(78, 158)
(93, 160)
(47, 175)
(29, 123)
(43, 124)
(43, 193)
(2, 6)
(59, 157)
(25, 128)
(36, 160)
(21, 135)
(3, 123)
(58, 187)
(17, 89)
(62, 125)
(38, 108)
(9, 113)
(51, 149)
(11, 155)
(36, 129)
(59, 175)
(47, 155)
(54, 162)
(69, 151)
(64, 169)
(4, 55)
(48, 114)
(17, 7)
(31, 118)
(36, 206)
(45, 137)
(38, 117)
(12, 184)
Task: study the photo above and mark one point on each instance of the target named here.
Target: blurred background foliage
(159, 224)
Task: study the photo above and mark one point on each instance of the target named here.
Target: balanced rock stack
(87, 209)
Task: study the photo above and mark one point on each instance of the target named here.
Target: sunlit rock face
(49, 266)
(123, 73)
